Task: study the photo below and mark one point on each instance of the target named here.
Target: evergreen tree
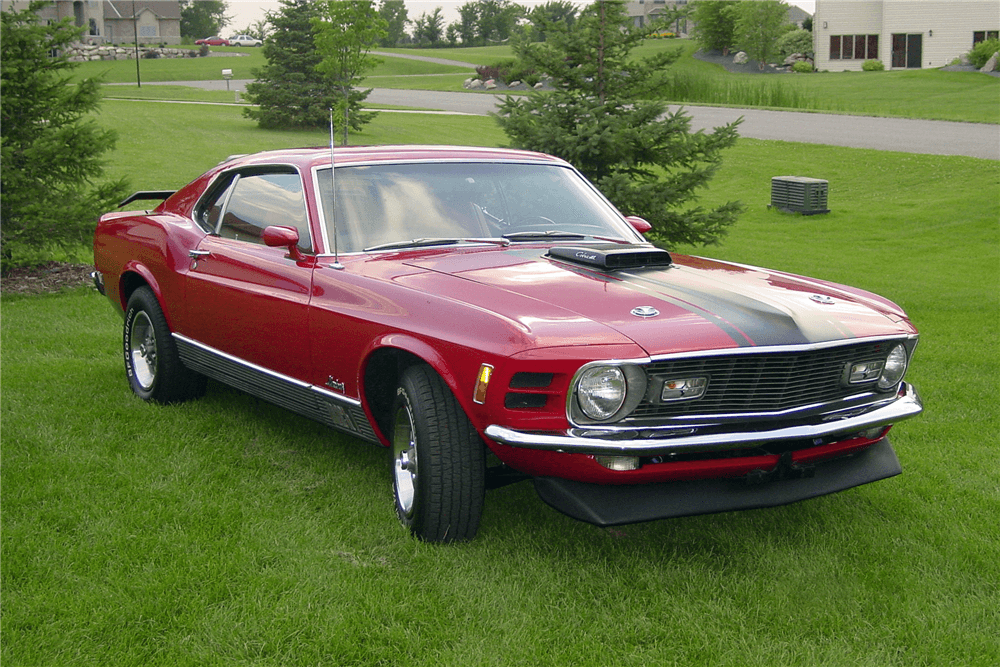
(52, 149)
(600, 119)
(289, 91)
(346, 32)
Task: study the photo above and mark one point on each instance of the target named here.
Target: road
(933, 137)
(888, 134)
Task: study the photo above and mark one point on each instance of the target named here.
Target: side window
(260, 200)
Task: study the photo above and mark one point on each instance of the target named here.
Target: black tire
(438, 460)
(153, 367)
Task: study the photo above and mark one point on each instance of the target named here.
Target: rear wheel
(438, 460)
(154, 368)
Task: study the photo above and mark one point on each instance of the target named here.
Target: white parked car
(245, 40)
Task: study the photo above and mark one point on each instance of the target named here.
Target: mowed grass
(929, 94)
(226, 531)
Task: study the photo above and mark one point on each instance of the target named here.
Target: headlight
(600, 391)
(894, 369)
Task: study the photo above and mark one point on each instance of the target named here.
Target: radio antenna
(333, 190)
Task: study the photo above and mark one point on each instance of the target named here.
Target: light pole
(135, 29)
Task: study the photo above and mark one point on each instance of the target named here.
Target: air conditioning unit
(797, 194)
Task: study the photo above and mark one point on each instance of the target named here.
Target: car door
(246, 299)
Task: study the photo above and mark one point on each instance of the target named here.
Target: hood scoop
(613, 256)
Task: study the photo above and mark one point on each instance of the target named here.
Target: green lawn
(926, 94)
(226, 531)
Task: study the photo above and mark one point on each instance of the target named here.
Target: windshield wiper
(412, 243)
(424, 242)
(550, 235)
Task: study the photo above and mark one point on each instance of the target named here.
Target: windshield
(388, 205)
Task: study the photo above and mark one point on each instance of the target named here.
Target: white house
(901, 33)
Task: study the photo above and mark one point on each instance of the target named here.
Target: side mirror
(280, 236)
(638, 224)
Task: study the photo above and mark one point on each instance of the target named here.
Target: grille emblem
(645, 311)
(823, 299)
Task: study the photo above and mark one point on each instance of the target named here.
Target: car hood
(693, 304)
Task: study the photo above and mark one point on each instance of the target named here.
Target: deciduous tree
(346, 32)
(429, 28)
(759, 25)
(52, 185)
(203, 18)
(601, 118)
(715, 24)
(554, 11)
(393, 12)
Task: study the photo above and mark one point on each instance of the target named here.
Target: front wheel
(153, 366)
(438, 460)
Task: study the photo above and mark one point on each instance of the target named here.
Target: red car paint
(329, 322)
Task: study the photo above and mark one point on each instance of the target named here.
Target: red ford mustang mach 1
(487, 315)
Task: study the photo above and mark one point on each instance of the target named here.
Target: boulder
(991, 64)
(490, 84)
(741, 58)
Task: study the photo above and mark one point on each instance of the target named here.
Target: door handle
(197, 254)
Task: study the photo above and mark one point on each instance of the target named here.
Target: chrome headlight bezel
(625, 383)
(894, 369)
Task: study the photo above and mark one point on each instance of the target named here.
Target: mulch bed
(726, 62)
(48, 277)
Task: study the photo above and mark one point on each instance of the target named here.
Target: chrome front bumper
(645, 441)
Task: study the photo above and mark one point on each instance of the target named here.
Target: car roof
(307, 158)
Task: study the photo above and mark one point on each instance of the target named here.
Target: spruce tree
(52, 149)
(602, 118)
(289, 91)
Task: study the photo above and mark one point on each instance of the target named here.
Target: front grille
(758, 383)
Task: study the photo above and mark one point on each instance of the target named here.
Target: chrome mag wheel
(404, 457)
(142, 350)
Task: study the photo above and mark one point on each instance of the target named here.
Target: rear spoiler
(146, 194)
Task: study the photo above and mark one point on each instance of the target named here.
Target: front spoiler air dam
(906, 405)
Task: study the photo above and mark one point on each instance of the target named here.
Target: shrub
(795, 41)
(873, 66)
(802, 67)
(499, 70)
(204, 51)
(983, 51)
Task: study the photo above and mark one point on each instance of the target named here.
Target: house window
(983, 35)
(853, 47)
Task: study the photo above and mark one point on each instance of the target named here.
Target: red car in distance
(487, 316)
(213, 41)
